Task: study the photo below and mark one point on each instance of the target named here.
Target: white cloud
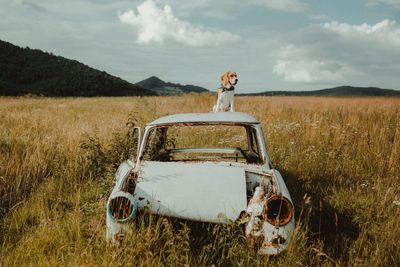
(385, 32)
(157, 25)
(393, 3)
(340, 53)
(299, 65)
(310, 71)
(284, 5)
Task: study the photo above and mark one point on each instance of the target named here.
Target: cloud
(157, 25)
(299, 65)
(283, 5)
(393, 3)
(385, 32)
(310, 71)
(337, 53)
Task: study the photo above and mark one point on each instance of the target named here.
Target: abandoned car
(208, 167)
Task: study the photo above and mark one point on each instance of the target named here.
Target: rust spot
(255, 241)
(121, 208)
(275, 242)
(278, 211)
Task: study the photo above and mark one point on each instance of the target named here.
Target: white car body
(206, 190)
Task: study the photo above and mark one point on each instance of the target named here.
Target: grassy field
(58, 156)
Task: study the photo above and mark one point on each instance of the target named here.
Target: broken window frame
(255, 141)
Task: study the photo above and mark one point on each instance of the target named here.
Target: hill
(166, 88)
(32, 71)
(336, 91)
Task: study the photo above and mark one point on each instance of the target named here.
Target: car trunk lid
(204, 191)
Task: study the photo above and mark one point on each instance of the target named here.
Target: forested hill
(336, 91)
(166, 88)
(30, 71)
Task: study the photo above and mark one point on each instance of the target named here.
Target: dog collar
(227, 89)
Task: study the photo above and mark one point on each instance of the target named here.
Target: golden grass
(57, 158)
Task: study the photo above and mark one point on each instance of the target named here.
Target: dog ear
(225, 79)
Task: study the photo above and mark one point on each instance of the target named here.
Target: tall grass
(58, 156)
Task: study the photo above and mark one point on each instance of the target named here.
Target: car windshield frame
(254, 134)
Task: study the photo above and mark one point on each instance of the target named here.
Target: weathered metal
(205, 190)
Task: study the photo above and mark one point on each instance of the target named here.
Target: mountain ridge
(344, 90)
(167, 88)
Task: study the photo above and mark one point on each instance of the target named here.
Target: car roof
(218, 117)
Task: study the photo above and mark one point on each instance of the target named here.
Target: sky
(272, 44)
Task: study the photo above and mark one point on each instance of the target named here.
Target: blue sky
(272, 44)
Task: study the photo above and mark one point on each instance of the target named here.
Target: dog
(226, 92)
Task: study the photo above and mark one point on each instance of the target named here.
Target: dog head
(229, 79)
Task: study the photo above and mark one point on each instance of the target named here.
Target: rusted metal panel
(117, 228)
(269, 236)
(196, 191)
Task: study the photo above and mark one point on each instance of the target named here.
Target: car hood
(205, 191)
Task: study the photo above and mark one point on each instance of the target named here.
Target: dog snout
(236, 80)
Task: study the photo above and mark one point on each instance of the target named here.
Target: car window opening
(231, 143)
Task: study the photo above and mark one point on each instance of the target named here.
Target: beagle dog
(226, 92)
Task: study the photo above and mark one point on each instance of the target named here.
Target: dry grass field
(58, 156)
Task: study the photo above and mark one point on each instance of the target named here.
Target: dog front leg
(217, 107)
(232, 104)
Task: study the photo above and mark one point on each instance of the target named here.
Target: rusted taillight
(278, 210)
(121, 208)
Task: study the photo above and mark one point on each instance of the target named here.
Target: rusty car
(206, 167)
